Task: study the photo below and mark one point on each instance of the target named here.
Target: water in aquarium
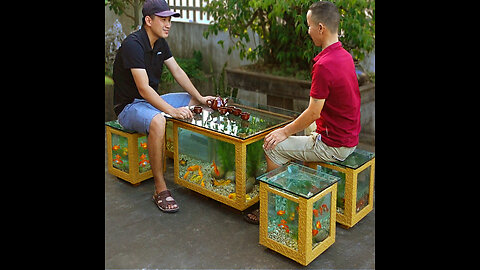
(283, 220)
(210, 163)
(363, 189)
(340, 186)
(120, 153)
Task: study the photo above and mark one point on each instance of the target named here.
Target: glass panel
(256, 165)
(340, 186)
(356, 159)
(233, 125)
(120, 152)
(298, 179)
(143, 160)
(207, 162)
(321, 220)
(283, 221)
(363, 188)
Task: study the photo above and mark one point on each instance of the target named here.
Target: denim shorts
(138, 114)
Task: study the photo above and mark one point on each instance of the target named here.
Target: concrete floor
(205, 233)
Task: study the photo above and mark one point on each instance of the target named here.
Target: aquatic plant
(254, 157)
(225, 156)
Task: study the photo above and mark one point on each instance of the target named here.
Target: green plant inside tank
(226, 156)
(254, 158)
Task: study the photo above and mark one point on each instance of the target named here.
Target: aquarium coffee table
(220, 155)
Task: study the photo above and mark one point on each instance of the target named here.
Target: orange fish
(314, 232)
(320, 210)
(283, 221)
(315, 212)
(142, 157)
(280, 212)
(144, 145)
(287, 230)
(325, 208)
(116, 147)
(143, 163)
(118, 160)
(318, 225)
(292, 216)
(215, 169)
(283, 226)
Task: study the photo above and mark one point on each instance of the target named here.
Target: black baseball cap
(159, 8)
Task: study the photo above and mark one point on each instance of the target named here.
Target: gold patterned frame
(305, 254)
(350, 217)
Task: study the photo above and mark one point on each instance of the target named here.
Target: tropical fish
(215, 169)
(287, 230)
(283, 221)
(314, 232)
(280, 212)
(221, 182)
(232, 196)
(202, 183)
(183, 162)
(143, 163)
(143, 145)
(283, 226)
(196, 178)
(118, 159)
(324, 207)
(116, 147)
(315, 212)
(193, 168)
(318, 224)
(142, 157)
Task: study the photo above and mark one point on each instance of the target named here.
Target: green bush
(282, 26)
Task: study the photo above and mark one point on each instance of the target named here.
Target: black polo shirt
(136, 52)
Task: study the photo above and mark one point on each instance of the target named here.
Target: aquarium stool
(127, 157)
(355, 189)
(297, 231)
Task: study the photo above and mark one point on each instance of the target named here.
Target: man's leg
(156, 151)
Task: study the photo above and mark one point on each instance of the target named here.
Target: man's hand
(181, 113)
(273, 138)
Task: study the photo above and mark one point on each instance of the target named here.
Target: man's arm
(310, 114)
(183, 80)
(149, 94)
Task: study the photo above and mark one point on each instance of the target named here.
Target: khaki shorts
(307, 148)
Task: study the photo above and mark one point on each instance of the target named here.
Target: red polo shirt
(334, 79)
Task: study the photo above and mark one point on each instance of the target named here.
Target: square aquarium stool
(127, 154)
(355, 188)
(296, 217)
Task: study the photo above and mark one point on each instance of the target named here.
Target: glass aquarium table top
(298, 179)
(260, 121)
(355, 160)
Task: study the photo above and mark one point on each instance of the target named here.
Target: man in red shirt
(334, 102)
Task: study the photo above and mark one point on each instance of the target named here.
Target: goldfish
(280, 212)
(143, 145)
(324, 207)
(142, 157)
(292, 216)
(314, 232)
(116, 147)
(215, 169)
(118, 159)
(125, 151)
(143, 163)
(220, 183)
(247, 197)
(183, 162)
(283, 226)
(193, 168)
(315, 212)
(283, 221)
(232, 196)
(287, 230)
(318, 225)
(196, 178)
(202, 183)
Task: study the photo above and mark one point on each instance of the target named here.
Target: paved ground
(207, 234)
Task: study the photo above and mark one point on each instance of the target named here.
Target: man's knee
(157, 125)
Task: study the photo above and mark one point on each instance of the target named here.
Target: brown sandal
(164, 199)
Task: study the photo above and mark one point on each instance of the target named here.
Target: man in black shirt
(137, 69)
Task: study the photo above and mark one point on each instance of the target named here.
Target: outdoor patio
(205, 233)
